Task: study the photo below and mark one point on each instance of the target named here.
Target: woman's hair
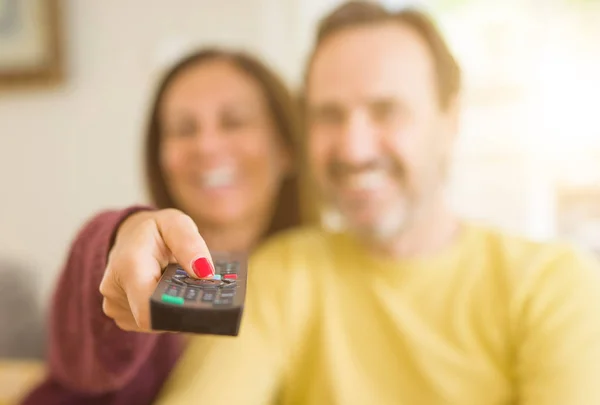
(281, 106)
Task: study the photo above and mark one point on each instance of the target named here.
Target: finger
(127, 326)
(114, 309)
(112, 293)
(128, 323)
(139, 282)
(133, 278)
(180, 234)
(132, 327)
(120, 315)
(124, 319)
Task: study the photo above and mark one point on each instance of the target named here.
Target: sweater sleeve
(87, 351)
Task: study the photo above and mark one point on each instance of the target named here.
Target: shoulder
(542, 273)
(293, 257)
(292, 248)
(281, 276)
(296, 238)
(521, 256)
(553, 299)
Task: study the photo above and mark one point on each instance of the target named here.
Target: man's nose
(358, 143)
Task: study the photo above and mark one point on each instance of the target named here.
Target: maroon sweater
(90, 360)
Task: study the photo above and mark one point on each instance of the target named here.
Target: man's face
(378, 139)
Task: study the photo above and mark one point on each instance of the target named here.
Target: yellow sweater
(491, 320)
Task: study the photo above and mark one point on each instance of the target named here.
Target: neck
(235, 237)
(430, 232)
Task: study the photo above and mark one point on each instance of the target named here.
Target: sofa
(22, 332)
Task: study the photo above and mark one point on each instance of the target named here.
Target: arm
(558, 353)
(255, 361)
(87, 351)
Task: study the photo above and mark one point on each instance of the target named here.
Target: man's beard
(395, 217)
(387, 226)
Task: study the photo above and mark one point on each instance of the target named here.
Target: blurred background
(528, 159)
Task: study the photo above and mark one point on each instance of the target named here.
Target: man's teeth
(366, 181)
(218, 178)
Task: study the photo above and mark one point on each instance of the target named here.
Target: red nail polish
(202, 268)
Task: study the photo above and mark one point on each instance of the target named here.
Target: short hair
(353, 14)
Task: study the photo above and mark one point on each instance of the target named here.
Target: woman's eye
(233, 123)
(183, 129)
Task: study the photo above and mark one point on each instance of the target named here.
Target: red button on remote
(230, 276)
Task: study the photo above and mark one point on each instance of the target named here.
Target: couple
(407, 305)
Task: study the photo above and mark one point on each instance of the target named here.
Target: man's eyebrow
(388, 102)
(382, 100)
(325, 105)
(368, 101)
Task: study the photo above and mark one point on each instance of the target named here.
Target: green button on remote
(172, 300)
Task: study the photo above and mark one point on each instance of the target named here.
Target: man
(409, 305)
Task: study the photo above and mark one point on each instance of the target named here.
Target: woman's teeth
(222, 177)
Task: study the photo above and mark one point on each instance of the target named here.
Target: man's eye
(382, 112)
(233, 123)
(329, 116)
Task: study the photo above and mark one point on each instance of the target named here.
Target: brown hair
(354, 14)
(281, 105)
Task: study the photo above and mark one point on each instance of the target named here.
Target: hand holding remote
(145, 244)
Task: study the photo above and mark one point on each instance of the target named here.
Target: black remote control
(184, 304)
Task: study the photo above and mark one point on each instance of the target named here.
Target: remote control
(205, 306)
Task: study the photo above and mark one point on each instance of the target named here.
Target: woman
(220, 147)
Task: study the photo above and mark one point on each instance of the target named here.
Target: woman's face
(221, 156)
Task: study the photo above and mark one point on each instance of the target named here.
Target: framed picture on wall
(30, 42)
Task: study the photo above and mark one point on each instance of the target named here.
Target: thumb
(180, 235)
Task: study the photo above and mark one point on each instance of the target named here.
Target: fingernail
(202, 267)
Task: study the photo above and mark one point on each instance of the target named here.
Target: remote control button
(223, 302)
(173, 290)
(202, 283)
(230, 276)
(169, 299)
(192, 294)
(180, 272)
(176, 280)
(226, 294)
(226, 267)
(217, 277)
(208, 296)
(223, 267)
